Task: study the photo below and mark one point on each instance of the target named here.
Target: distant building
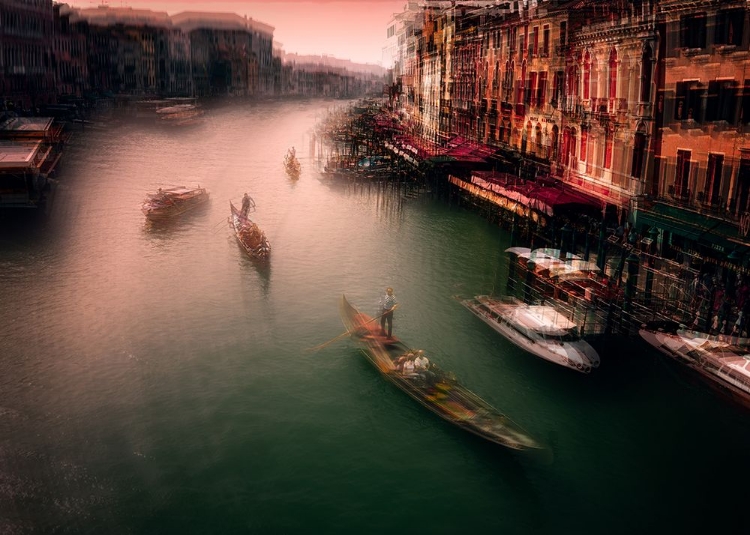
(70, 53)
(230, 54)
(135, 44)
(27, 76)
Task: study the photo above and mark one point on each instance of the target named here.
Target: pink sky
(346, 29)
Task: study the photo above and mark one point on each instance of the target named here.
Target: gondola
(436, 389)
(291, 165)
(249, 235)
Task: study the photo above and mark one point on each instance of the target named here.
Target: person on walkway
(387, 305)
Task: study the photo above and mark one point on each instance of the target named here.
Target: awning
(716, 234)
(543, 198)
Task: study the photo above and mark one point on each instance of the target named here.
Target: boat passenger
(399, 361)
(422, 367)
(407, 368)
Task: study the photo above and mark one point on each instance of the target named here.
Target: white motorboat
(723, 362)
(539, 329)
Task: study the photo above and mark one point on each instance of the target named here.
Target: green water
(154, 380)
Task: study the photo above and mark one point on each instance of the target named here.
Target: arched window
(572, 148)
(553, 144)
(608, 145)
(538, 149)
(584, 141)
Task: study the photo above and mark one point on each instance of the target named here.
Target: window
(693, 31)
(563, 33)
(745, 109)
(573, 147)
(530, 88)
(639, 148)
(541, 89)
(535, 41)
(538, 148)
(646, 74)
(713, 178)
(586, 76)
(608, 145)
(613, 74)
(721, 100)
(557, 88)
(729, 26)
(688, 100)
(743, 187)
(545, 41)
(584, 143)
(682, 173)
(553, 143)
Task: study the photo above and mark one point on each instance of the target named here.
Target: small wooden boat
(249, 235)
(170, 202)
(539, 329)
(434, 388)
(291, 165)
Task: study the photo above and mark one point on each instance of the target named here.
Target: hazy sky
(347, 29)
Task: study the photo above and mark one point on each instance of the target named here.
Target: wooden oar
(347, 333)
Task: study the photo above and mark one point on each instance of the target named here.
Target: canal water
(155, 380)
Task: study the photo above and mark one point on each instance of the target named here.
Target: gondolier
(247, 203)
(387, 305)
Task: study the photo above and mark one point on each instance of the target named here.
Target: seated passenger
(399, 361)
(421, 363)
(407, 368)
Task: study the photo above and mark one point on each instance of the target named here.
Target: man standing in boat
(387, 306)
(246, 203)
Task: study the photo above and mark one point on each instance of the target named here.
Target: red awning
(543, 196)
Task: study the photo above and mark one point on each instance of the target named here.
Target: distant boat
(437, 390)
(722, 362)
(180, 115)
(170, 202)
(249, 235)
(539, 329)
(291, 165)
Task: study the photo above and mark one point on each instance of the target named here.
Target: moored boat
(539, 329)
(720, 361)
(249, 235)
(434, 388)
(170, 202)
